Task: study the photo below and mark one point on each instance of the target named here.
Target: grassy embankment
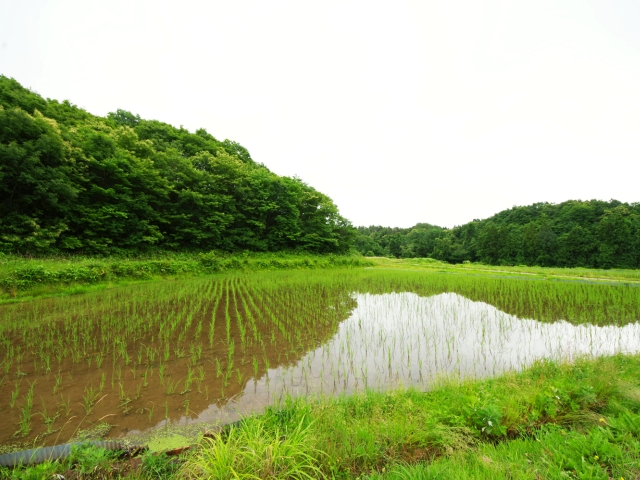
(549, 421)
(618, 275)
(24, 278)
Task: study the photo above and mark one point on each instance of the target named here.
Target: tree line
(75, 182)
(593, 234)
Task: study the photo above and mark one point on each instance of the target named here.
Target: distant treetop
(594, 234)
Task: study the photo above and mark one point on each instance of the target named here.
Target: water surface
(212, 349)
(402, 339)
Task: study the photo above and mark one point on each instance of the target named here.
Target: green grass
(552, 420)
(257, 450)
(617, 275)
(579, 420)
(27, 278)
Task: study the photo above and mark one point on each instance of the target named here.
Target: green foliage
(74, 182)
(34, 472)
(592, 234)
(418, 241)
(86, 460)
(555, 453)
(20, 277)
(487, 419)
(256, 451)
(160, 466)
(474, 429)
(90, 459)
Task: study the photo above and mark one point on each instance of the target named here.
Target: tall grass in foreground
(255, 451)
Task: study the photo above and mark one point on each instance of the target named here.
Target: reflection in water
(155, 354)
(403, 339)
(212, 348)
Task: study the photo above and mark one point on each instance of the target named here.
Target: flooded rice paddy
(212, 349)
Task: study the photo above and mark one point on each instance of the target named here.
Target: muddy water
(402, 339)
(122, 363)
(214, 352)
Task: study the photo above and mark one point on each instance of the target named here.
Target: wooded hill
(74, 182)
(71, 181)
(593, 234)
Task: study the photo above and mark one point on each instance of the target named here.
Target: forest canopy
(74, 182)
(593, 234)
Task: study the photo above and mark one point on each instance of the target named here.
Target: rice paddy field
(123, 362)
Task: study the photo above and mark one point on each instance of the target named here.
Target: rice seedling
(255, 367)
(89, 398)
(25, 412)
(139, 388)
(171, 386)
(58, 384)
(150, 410)
(161, 368)
(297, 333)
(65, 405)
(25, 421)
(49, 420)
(14, 394)
(99, 360)
(187, 381)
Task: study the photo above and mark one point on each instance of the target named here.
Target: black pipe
(43, 454)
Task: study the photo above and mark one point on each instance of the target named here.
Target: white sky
(401, 111)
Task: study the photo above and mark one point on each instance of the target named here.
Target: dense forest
(415, 242)
(593, 233)
(71, 181)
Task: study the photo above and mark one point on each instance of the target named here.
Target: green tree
(576, 248)
(36, 188)
(616, 240)
(546, 243)
(122, 117)
(490, 243)
(71, 181)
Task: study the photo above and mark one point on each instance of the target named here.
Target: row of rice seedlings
(120, 350)
(268, 319)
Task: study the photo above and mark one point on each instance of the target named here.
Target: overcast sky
(401, 111)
